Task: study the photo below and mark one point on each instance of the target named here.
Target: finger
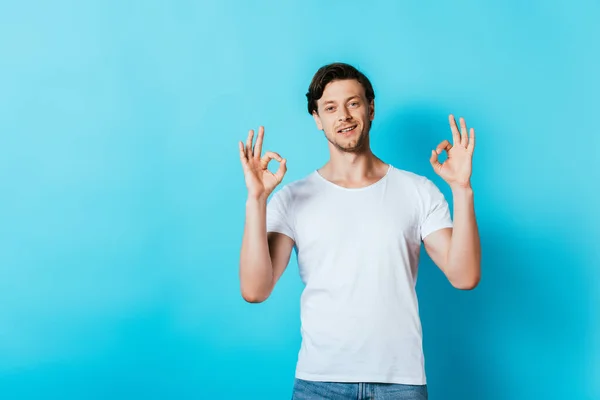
(270, 155)
(471, 146)
(249, 143)
(259, 141)
(281, 170)
(464, 139)
(444, 145)
(433, 160)
(454, 128)
(243, 158)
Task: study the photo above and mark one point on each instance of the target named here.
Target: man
(357, 224)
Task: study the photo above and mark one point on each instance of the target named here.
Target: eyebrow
(348, 99)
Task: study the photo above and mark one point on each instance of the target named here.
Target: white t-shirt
(357, 252)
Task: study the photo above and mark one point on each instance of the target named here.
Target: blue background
(122, 197)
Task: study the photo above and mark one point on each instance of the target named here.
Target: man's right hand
(259, 180)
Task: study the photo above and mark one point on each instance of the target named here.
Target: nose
(344, 114)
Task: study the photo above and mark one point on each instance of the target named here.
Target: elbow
(255, 289)
(464, 275)
(467, 283)
(253, 296)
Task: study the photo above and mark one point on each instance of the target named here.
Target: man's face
(345, 115)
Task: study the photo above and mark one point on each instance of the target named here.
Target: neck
(353, 169)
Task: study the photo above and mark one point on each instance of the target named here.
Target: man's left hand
(456, 169)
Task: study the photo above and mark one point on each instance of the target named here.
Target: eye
(354, 104)
(330, 108)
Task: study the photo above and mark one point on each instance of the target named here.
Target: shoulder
(294, 190)
(411, 180)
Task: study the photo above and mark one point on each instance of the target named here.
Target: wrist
(256, 200)
(461, 188)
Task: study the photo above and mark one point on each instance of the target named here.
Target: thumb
(433, 160)
(281, 170)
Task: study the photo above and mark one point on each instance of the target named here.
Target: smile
(348, 129)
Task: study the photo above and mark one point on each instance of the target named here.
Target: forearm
(464, 254)
(256, 270)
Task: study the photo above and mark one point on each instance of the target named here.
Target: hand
(456, 170)
(259, 180)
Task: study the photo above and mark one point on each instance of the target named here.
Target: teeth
(348, 129)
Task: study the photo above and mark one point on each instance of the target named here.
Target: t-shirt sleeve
(279, 216)
(436, 213)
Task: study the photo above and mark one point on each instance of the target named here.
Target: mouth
(347, 130)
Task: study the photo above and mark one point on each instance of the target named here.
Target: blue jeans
(309, 390)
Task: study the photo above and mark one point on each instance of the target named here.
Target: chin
(350, 142)
(350, 146)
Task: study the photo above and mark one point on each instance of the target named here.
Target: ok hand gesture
(456, 170)
(259, 180)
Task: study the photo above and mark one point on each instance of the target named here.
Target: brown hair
(333, 72)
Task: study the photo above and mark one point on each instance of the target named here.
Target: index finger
(270, 155)
(444, 145)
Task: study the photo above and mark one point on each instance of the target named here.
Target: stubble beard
(355, 145)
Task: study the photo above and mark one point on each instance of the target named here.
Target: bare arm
(264, 256)
(457, 252)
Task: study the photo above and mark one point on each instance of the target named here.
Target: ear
(372, 110)
(317, 120)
